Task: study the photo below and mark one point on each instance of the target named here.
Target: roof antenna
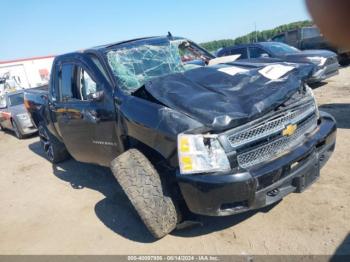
(170, 36)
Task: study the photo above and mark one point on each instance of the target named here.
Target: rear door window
(65, 82)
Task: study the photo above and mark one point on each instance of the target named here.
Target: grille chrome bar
(275, 148)
(271, 126)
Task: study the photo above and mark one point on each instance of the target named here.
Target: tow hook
(273, 192)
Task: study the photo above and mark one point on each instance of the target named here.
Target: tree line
(255, 36)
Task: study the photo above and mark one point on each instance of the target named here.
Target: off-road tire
(55, 150)
(142, 185)
(17, 131)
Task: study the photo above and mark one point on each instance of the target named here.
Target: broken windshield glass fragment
(134, 66)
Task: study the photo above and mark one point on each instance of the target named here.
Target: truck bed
(34, 99)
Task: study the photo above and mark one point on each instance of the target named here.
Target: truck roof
(104, 47)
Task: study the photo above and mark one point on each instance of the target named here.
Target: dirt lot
(75, 208)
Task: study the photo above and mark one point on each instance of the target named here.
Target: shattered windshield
(134, 65)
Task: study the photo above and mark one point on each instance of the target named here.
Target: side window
(240, 51)
(65, 81)
(99, 65)
(257, 52)
(75, 83)
(86, 85)
(293, 36)
(279, 38)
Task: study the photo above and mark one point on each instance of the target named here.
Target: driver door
(81, 115)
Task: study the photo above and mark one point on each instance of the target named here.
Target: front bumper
(232, 193)
(324, 73)
(27, 127)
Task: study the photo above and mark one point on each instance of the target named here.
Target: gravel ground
(76, 208)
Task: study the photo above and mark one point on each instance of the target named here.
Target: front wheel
(142, 185)
(55, 150)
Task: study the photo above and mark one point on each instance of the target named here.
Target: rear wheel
(17, 131)
(141, 183)
(55, 150)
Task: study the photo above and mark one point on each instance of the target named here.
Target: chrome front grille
(264, 141)
(271, 126)
(276, 147)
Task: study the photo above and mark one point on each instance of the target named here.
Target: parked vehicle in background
(14, 116)
(326, 63)
(310, 38)
(179, 134)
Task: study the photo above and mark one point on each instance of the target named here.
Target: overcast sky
(38, 28)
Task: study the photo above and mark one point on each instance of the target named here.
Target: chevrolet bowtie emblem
(289, 130)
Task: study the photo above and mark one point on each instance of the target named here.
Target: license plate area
(309, 176)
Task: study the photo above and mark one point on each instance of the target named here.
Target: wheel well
(162, 165)
(153, 155)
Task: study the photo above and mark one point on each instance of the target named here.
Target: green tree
(264, 35)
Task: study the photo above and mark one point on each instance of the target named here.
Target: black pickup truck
(183, 130)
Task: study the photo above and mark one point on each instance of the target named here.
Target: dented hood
(225, 96)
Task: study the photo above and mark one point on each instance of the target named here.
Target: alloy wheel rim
(45, 143)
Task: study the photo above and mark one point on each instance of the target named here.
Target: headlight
(22, 116)
(310, 92)
(317, 60)
(201, 154)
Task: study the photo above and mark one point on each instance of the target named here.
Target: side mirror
(97, 96)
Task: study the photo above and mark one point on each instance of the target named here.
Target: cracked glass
(134, 66)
